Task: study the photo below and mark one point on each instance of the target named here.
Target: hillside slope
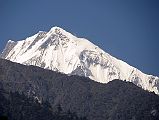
(117, 100)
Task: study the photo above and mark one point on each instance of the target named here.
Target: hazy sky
(126, 29)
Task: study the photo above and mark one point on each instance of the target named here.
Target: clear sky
(126, 29)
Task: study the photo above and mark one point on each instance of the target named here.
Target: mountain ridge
(61, 51)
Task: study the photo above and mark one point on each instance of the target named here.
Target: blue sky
(126, 29)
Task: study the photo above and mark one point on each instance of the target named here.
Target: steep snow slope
(60, 51)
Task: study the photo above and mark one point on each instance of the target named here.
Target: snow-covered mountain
(61, 51)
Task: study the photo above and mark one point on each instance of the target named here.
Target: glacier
(59, 50)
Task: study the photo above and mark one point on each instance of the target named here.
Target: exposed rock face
(116, 100)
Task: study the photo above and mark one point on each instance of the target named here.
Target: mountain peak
(61, 51)
(41, 32)
(10, 41)
(61, 32)
(56, 27)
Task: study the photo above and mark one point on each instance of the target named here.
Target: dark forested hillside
(15, 106)
(116, 100)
